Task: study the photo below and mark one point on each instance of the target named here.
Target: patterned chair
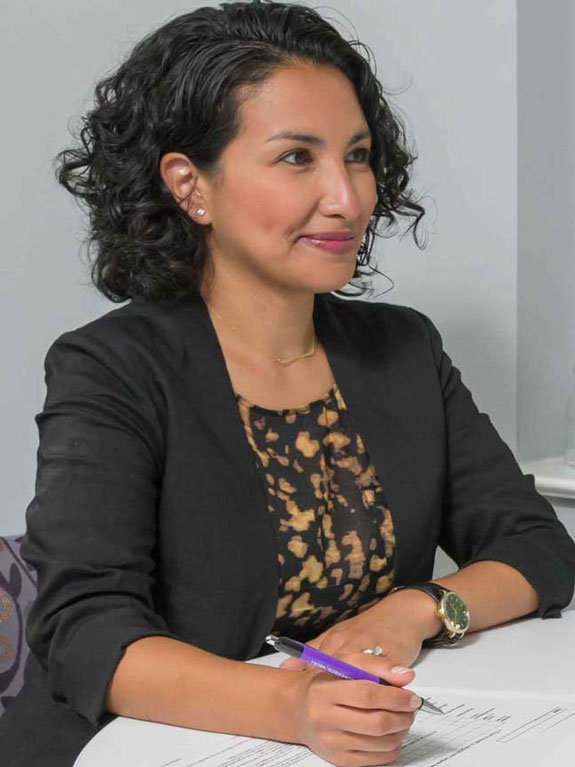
(17, 592)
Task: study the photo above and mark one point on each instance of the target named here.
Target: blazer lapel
(391, 390)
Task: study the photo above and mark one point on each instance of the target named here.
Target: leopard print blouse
(334, 530)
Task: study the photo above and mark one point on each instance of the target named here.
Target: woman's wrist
(415, 610)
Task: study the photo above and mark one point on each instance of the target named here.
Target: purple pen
(334, 666)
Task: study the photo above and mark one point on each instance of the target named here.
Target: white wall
(546, 246)
(457, 61)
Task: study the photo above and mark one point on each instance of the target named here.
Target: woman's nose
(340, 192)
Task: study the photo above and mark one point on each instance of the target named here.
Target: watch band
(446, 636)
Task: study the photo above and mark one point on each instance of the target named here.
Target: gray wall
(461, 108)
(546, 276)
(456, 65)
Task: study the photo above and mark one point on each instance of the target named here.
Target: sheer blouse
(332, 523)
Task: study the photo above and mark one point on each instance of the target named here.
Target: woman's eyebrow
(309, 138)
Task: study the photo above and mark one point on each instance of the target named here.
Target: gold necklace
(281, 360)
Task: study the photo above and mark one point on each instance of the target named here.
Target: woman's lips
(339, 246)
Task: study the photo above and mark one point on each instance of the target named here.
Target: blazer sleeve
(90, 528)
(491, 510)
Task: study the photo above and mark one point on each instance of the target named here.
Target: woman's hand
(398, 624)
(352, 723)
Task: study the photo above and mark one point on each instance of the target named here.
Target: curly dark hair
(177, 91)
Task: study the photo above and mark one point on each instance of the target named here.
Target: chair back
(18, 586)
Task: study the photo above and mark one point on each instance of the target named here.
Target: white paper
(474, 730)
(477, 729)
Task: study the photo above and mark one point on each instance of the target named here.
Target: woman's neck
(269, 323)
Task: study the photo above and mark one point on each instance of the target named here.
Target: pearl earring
(200, 211)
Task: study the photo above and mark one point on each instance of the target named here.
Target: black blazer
(150, 514)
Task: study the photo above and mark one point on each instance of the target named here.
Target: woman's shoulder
(139, 329)
(395, 321)
(362, 307)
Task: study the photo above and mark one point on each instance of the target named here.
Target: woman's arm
(161, 679)
(91, 526)
(493, 516)
(494, 593)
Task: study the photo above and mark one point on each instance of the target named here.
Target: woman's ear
(180, 177)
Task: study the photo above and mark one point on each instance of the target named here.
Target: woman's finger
(351, 741)
(379, 665)
(363, 694)
(293, 664)
(374, 723)
(383, 666)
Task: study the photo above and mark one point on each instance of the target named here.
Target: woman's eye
(363, 152)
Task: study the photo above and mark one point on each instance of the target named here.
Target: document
(475, 729)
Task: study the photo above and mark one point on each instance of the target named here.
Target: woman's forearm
(494, 593)
(164, 680)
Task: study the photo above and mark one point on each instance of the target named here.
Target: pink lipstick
(338, 246)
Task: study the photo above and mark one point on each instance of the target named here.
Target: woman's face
(273, 190)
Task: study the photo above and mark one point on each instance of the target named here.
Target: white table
(527, 657)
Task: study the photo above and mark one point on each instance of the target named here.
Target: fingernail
(400, 670)
(415, 702)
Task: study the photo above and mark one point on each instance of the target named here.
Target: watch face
(456, 612)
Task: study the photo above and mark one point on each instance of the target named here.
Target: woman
(239, 451)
